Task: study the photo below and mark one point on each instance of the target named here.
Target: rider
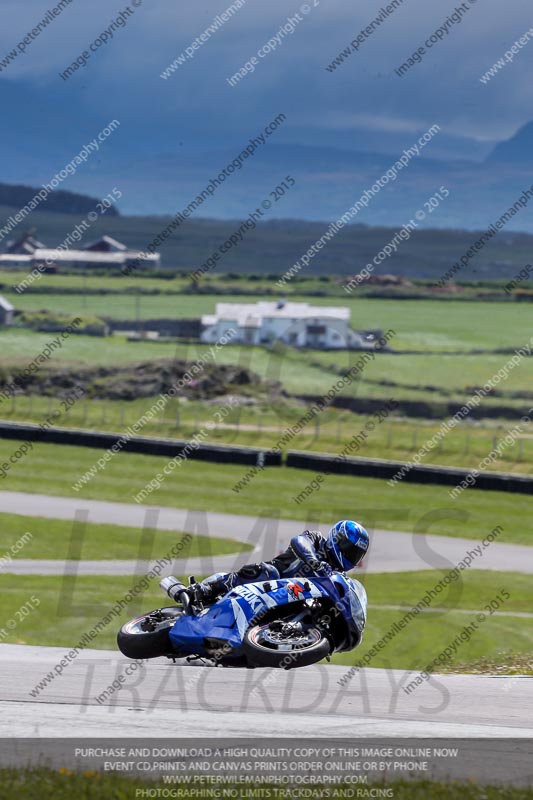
(308, 554)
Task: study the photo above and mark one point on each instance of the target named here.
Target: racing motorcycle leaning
(284, 623)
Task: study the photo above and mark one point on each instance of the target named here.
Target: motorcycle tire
(134, 642)
(261, 650)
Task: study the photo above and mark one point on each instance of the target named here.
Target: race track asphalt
(164, 699)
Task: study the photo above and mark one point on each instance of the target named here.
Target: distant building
(7, 312)
(19, 252)
(106, 245)
(25, 245)
(295, 324)
(28, 252)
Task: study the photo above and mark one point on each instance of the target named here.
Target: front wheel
(284, 645)
(147, 636)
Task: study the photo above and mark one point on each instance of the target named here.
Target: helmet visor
(352, 552)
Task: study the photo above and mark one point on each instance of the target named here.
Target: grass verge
(63, 784)
(59, 539)
(473, 590)
(414, 648)
(504, 663)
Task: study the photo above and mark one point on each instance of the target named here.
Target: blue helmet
(347, 543)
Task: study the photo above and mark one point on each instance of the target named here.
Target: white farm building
(295, 324)
(28, 252)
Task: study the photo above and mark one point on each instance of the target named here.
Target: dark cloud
(363, 105)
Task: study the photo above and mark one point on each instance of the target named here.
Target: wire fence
(262, 425)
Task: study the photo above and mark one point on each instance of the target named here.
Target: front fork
(319, 619)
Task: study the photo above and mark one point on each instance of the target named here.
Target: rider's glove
(323, 569)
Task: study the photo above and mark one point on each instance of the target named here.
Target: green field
(433, 377)
(59, 539)
(432, 382)
(420, 324)
(53, 469)
(176, 282)
(80, 283)
(473, 590)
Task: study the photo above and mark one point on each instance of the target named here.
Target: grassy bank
(53, 469)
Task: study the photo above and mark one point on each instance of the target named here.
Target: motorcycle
(283, 623)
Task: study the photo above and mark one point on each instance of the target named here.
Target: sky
(361, 106)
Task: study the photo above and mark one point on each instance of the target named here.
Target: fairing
(229, 618)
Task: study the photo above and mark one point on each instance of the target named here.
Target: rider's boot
(221, 583)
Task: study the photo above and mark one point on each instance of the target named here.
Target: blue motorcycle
(284, 623)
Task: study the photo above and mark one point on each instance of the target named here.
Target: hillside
(516, 150)
(58, 202)
(273, 247)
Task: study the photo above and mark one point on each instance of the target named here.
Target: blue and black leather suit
(305, 555)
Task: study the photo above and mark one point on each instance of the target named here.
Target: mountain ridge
(60, 201)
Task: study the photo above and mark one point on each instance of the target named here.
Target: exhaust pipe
(174, 588)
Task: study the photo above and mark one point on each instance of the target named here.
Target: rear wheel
(147, 636)
(285, 645)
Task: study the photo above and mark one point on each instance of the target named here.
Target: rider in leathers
(308, 554)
